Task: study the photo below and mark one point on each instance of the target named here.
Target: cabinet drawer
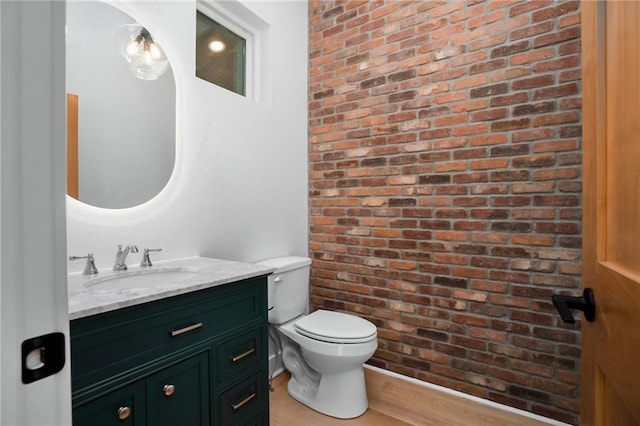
(240, 404)
(119, 341)
(240, 354)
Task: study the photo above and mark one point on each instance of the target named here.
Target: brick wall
(445, 181)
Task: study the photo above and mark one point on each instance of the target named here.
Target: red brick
(466, 13)
(556, 174)
(492, 40)
(444, 188)
(533, 56)
(470, 130)
(497, 163)
(569, 47)
(510, 99)
(530, 83)
(489, 114)
(532, 30)
(510, 73)
(553, 146)
(555, 92)
(552, 12)
(491, 139)
(470, 82)
(557, 37)
(520, 123)
(557, 64)
(569, 20)
(528, 6)
(510, 49)
(561, 118)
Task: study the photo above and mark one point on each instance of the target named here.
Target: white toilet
(324, 351)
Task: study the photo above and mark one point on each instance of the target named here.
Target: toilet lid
(335, 327)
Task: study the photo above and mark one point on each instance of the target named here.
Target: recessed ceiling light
(216, 46)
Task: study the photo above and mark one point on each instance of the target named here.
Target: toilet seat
(335, 327)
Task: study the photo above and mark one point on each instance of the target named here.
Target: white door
(33, 291)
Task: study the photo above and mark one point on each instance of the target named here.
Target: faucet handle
(146, 261)
(90, 267)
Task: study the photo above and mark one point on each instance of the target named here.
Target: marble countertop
(108, 290)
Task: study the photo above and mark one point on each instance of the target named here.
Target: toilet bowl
(335, 383)
(324, 351)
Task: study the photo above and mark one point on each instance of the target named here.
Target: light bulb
(216, 46)
(132, 48)
(155, 51)
(148, 60)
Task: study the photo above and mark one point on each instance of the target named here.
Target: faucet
(90, 267)
(121, 256)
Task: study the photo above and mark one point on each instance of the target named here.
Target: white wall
(239, 189)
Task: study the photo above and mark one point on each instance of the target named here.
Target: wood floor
(394, 402)
(286, 411)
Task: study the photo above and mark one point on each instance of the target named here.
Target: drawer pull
(175, 333)
(124, 413)
(168, 390)
(243, 355)
(239, 405)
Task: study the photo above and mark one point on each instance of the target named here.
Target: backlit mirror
(125, 127)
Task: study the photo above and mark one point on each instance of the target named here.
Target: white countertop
(96, 294)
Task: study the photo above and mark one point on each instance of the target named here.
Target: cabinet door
(179, 394)
(122, 407)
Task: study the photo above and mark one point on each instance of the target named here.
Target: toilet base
(342, 395)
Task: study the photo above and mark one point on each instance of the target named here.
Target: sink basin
(142, 278)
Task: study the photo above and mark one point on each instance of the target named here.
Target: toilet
(324, 351)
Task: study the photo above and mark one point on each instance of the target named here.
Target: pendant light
(146, 58)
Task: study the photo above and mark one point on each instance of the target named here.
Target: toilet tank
(288, 288)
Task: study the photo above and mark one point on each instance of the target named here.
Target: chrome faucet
(121, 256)
(90, 267)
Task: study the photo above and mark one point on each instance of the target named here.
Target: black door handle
(586, 303)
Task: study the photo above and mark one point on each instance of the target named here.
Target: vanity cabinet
(191, 360)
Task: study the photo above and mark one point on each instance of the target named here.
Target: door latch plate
(51, 351)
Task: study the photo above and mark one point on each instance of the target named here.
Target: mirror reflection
(124, 126)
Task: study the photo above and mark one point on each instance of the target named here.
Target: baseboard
(407, 399)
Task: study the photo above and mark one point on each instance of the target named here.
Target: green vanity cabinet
(196, 359)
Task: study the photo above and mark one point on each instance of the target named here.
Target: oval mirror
(120, 128)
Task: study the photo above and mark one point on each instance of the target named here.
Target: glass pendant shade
(144, 55)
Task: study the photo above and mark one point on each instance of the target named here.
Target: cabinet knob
(168, 390)
(124, 413)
